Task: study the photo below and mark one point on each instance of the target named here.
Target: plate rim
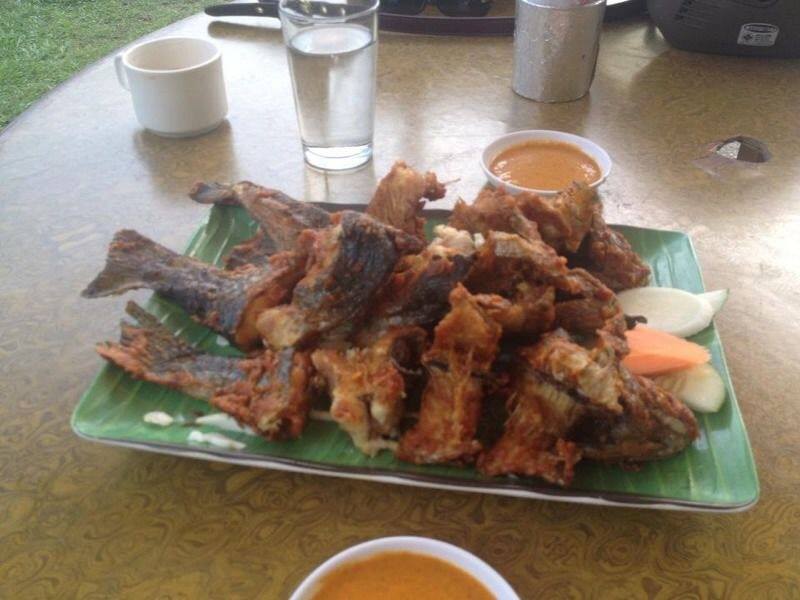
(415, 480)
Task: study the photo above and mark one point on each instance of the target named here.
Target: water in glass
(333, 72)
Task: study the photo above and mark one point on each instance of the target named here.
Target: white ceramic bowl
(417, 545)
(599, 155)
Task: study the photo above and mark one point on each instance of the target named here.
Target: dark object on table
(451, 8)
(621, 9)
(767, 28)
(468, 17)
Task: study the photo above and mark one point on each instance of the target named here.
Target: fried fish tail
(268, 392)
(226, 301)
(132, 263)
(151, 352)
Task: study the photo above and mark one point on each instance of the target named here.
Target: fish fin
(214, 193)
(130, 257)
(144, 345)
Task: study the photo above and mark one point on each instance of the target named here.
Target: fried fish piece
(398, 201)
(653, 424)
(268, 392)
(530, 311)
(226, 301)
(507, 259)
(464, 347)
(571, 223)
(348, 263)
(592, 373)
(533, 441)
(255, 251)
(563, 220)
(492, 210)
(588, 305)
(607, 255)
(583, 304)
(568, 401)
(418, 290)
(367, 387)
(281, 217)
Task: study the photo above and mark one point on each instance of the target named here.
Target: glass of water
(333, 50)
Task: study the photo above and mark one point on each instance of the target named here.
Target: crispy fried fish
(571, 223)
(398, 201)
(492, 210)
(506, 259)
(653, 424)
(349, 262)
(464, 347)
(591, 373)
(418, 290)
(563, 220)
(281, 217)
(255, 251)
(582, 303)
(554, 384)
(530, 310)
(568, 401)
(608, 256)
(268, 392)
(533, 441)
(367, 386)
(226, 301)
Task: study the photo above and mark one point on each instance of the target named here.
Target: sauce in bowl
(400, 576)
(545, 165)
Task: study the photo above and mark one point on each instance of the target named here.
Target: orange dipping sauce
(400, 576)
(545, 165)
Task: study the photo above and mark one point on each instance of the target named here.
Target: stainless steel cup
(555, 48)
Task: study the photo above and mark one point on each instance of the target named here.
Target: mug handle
(120, 69)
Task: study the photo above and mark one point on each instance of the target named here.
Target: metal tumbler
(555, 48)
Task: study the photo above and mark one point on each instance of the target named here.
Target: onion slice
(700, 387)
(716, 299)
(668, 309)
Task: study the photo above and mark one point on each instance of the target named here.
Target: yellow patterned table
(88, 521)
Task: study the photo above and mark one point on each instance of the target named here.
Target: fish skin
(349, 262)
(222, 300)
(281, 217)
(417, 292)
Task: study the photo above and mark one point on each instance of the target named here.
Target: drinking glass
(333, 50)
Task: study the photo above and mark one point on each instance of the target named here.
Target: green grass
(43, 42)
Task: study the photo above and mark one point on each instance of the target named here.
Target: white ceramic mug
(176, 84)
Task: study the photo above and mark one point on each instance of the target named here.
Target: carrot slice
(654, 352)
